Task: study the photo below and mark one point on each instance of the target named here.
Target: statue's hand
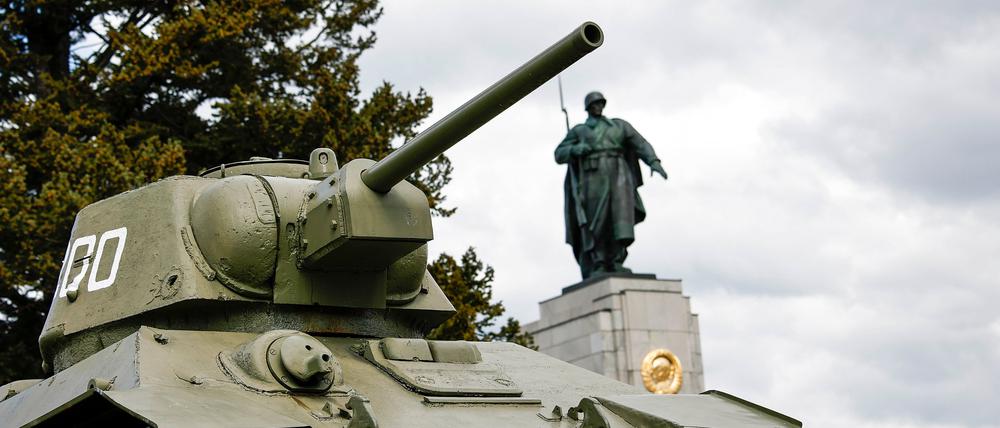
(580, 150)
(658, 169)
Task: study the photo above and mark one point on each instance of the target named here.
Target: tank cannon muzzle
(461, 122)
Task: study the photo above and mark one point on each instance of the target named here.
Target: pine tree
(468, 284)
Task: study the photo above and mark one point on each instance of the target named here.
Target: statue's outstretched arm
(642, 148)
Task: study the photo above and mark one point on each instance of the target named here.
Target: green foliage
(99, 97)
(468, 284)
(512, 332)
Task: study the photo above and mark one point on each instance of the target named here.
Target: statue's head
(594, 103)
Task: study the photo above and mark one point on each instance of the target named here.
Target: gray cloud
(914, 88)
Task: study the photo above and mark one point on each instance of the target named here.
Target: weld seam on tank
(274, 208)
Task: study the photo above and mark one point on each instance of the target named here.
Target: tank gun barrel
(461, 122)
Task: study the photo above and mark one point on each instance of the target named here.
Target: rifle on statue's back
(581, 215)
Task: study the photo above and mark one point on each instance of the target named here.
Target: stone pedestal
(608, 325)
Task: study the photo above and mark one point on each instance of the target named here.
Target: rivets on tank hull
(101, 384)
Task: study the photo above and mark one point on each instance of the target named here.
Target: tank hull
(167, 378)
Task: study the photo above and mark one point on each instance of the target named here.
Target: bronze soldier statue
(602, 181)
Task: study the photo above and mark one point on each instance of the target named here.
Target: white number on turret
(81, 260)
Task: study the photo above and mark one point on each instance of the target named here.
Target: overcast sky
(832, 204)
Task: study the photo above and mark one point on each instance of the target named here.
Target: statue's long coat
(602, 134)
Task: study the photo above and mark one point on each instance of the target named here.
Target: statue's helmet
(593, 97)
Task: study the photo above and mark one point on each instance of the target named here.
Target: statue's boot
(621, 251)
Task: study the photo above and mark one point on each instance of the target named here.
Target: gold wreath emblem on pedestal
(662, 372)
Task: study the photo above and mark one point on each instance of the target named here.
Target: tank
(285, 293)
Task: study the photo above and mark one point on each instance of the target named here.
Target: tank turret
(276, 292)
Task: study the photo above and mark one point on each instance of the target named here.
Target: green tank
(285, 293)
